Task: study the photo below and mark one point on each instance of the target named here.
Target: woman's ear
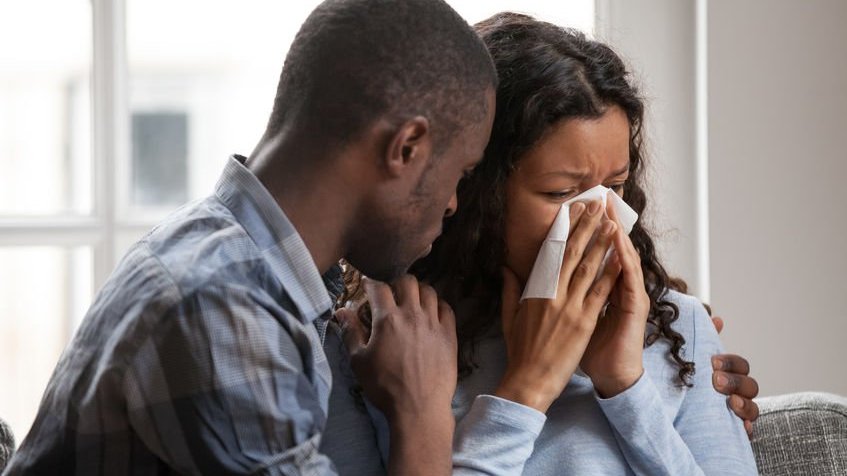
(409, 147)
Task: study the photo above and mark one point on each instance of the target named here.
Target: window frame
(108, 220)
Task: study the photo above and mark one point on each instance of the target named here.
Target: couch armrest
(801, 433)
(7, 444)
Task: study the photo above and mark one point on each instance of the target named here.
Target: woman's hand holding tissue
(546, 338)
(613, 358)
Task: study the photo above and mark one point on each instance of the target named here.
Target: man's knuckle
(744, 366)
(427, 292)
(733, 382)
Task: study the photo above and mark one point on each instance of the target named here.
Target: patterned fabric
(801, 433)
(202, 354)
(7, 444)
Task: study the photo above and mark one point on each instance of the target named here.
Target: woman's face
(572, 157)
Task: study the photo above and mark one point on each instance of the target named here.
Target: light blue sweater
(655, 427)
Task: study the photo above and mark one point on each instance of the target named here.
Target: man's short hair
(355, 61)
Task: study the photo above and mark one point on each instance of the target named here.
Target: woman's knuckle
(584, 325)
(572, 251)
(583, 270)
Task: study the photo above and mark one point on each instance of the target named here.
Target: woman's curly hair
(547, 74)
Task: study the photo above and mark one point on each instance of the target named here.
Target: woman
(625, 388)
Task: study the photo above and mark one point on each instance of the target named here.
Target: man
(202, 352)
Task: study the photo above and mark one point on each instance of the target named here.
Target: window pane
(159, 158)
(44, 293)
(45, 126)
(198, 95)
(206, 92)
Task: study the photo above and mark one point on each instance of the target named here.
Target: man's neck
(319, 203)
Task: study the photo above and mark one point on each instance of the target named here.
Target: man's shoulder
(203, 245)
(197, 252)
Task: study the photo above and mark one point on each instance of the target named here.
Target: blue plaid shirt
(200, 355)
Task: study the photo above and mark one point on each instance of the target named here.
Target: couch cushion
(7, 444)
(801, 433)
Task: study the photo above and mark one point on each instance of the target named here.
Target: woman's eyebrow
(580, 175)
(567, 173)
(621, 171)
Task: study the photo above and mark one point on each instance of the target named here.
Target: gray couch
(796, 434)
(801, 434)
(7, 444)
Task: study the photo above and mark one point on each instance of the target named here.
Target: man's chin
(389, 274)
(425, 252)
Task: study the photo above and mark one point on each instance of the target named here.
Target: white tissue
(544, 279)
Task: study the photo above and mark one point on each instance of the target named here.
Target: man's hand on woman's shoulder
(732, 377)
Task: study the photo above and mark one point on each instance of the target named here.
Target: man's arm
(732, 378)
(222, 387)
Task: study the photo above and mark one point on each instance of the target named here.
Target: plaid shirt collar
(262, 218)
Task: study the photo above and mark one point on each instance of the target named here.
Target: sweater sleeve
(495, 437)
(705, 437)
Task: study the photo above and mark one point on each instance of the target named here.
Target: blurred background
(115, 112)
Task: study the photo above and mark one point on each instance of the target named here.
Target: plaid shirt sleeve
(201, 354)
(223, 388)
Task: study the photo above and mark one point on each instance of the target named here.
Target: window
(46, 193)
(159, 158)
(112, 114)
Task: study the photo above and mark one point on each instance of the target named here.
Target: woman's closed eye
(567, 194)
(617, 188)
(561, 195)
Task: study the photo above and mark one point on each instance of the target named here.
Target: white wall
(778, 165)
(657, 39)
(774, 225)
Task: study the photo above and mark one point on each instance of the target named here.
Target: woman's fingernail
(721, 379)
(608, 228)
(717, 363)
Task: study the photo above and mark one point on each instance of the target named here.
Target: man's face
(408, 232)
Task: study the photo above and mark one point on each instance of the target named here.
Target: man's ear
(409, 147)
